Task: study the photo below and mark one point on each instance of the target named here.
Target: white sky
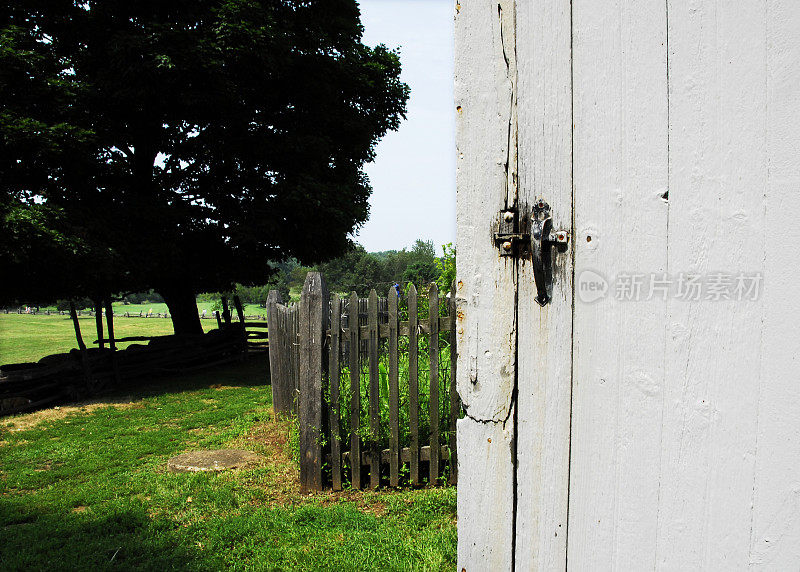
(413, 176)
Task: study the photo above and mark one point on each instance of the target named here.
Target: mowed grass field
(28, 338)
(85, 487)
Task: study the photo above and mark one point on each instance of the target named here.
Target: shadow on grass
(251, 372)
(123, 539)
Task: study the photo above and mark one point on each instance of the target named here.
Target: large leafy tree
(187, 142)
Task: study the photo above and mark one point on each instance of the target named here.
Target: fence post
(313, 324)
(281, 403)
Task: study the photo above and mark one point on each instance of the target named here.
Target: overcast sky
(413, 176)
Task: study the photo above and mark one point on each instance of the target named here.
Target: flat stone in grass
(216, 460)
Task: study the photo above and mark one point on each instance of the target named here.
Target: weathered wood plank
(486, 180)
(374, 390)
(433, 395)
(355, 390)
(455, 405)
(718, 171)
(333, 379)
(394, 392)
(775, 538)
(544, 333)
(413, 383)
(620, 175)
(280, 398)
(313, 317)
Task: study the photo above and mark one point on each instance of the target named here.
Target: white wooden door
(648, 416)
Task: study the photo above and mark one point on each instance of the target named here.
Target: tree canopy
(182, 145)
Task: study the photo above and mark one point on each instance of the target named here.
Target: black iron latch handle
(513, 240)
(543, 238)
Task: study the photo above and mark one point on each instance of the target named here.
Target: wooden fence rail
(350, 367)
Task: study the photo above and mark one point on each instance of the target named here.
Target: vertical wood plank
(775, 538)
(433, 395)
(216, 315)
(718, 169)
(312, 319)
(394, 392)
(622, 219)
(374, 392)
(333, 379)
(413, 382)
(486, 179)
(277, 375)
(295, 352)
(355, 392)
(455, 405)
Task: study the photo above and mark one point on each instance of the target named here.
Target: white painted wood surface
(544, 333)
(775, 533)
(621, 221)
(486, 286)
(683, 438)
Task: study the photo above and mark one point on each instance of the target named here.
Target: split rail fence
(370, 379)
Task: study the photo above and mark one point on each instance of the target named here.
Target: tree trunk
(183, 309)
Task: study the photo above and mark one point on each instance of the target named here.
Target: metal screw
(507, 246)
(508, 216)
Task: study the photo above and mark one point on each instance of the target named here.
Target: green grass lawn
(120, 308)
(25, 337)
(86, 487)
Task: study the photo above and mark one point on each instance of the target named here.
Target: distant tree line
(357, 270)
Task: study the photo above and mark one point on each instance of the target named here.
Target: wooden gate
(647, 415)
(373, 387)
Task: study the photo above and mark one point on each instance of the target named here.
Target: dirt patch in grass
(27, 421)
(271, 440)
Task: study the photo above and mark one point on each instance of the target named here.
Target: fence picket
(413, 382)
(312, 320)
(455, 404)
(394, 393)
(275, 331)
(433, 397)
(355, 393)
(374, 392)
(333, 380)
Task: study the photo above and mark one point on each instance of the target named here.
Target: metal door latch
(534, 235)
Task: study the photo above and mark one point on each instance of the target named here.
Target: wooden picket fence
(336, 363)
